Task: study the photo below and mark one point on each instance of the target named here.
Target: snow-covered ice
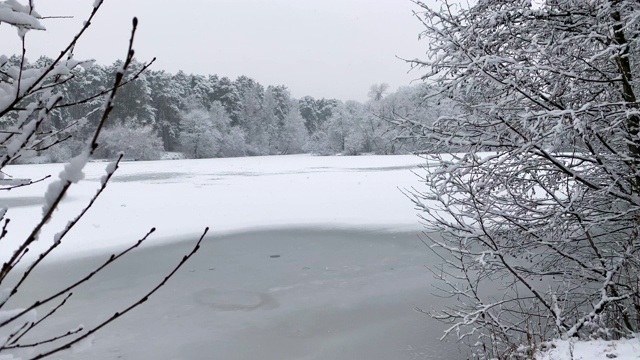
(182, 197)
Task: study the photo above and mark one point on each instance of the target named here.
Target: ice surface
(330, 295)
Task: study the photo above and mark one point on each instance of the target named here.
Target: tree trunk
(624, 68)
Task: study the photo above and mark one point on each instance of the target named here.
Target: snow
(14, 13)
(626, 349)
(73, 170)
(182, 197)
(110, 169)
(84, 344)
(168, 155)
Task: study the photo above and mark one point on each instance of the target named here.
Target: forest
(212, 116)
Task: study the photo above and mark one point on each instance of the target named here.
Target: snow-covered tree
(337, 135)
(378, 91)
(418, 103)
(228, 94)
(234, 143)
(293, 134)
(167, 95)
(202, 132)
(542, 201)
(275, 108)
(250, 94)
(29, 96)
(250, 115)
(134, 99)
(315, 112)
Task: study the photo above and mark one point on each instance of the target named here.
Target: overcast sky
(323, 48)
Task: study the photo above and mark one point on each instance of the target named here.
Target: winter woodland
(210, 116)
(527, 117)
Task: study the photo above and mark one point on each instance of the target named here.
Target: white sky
(323, 48)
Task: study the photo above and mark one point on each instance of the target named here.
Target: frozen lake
(308, 258)
(270, 295)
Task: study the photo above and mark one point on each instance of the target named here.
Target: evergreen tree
(225, 92)
(167, 96)
(134, 100)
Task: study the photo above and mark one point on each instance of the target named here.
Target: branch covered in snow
(28, 97)
(536, 210)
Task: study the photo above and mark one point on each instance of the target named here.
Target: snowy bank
(626, 349)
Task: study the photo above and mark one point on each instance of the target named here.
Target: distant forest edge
(211, 116)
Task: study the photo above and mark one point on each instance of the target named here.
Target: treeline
(211, 116)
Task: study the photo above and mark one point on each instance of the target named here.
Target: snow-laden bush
(64, 151)
(319, 143)
(234, 143)
(138, 143)
(59, 153)
(202, 131)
